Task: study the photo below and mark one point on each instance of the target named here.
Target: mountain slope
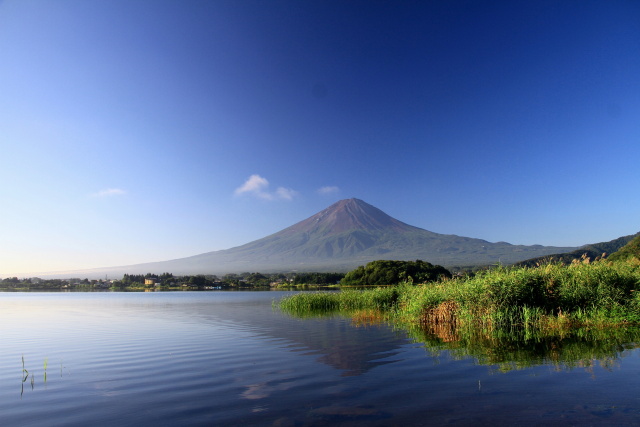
(343, 236)
(592, 251)
(630, 250)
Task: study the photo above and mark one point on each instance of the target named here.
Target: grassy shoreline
(546, 297)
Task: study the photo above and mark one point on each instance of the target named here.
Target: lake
(230, 358)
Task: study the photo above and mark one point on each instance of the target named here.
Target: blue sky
(135, 131)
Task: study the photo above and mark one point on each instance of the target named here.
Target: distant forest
(169, 281)
(375, 273)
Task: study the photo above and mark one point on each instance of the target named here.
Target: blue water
(229, 358)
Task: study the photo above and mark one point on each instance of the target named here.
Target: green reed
(318, 303)
(548, 296)
(26, 374)
(566, 315)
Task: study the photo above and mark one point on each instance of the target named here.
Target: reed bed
(550, 296)
(510, 317)
(314, 303)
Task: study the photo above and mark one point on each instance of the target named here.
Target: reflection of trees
(520, 348)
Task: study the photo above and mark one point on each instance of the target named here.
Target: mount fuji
(343, 236)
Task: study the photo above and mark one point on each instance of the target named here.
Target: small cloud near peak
(109, 192)
(329, 190)
(286, 193)
(258, 186)
(254, 184)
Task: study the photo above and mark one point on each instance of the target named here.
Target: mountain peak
(349, 215)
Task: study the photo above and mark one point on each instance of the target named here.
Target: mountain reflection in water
(333, 339)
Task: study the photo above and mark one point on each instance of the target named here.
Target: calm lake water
(229, 358)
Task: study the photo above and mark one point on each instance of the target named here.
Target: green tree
(383, 273)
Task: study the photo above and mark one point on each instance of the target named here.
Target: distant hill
(631, 249)
(342, 237)
(592, 251)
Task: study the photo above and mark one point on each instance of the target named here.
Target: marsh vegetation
(506, 315)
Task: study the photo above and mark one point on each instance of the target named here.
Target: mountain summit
(343, 236)
(348, 215)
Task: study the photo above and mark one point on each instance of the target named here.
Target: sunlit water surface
(230, 358)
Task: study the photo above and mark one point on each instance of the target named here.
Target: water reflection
(332, 339)
(232, 359)
(518, 348)
(515, 348)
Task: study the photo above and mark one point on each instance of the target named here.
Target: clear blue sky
(135, 131)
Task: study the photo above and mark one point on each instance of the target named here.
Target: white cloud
(258, 186)
(329, 190)
(109, 192)
(285, 193)
(255, 184)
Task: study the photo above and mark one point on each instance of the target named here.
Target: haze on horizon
(148, 130)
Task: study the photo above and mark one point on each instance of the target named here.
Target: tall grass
(546, 296)
(551, 294)
(315, 303)
(26, 374)
(511, 317)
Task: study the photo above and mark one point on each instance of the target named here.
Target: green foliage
(553, 294)
(317, 278)
(384, 273)
(168, 281)
(509, 317)
(129, 279)
(13, 283)
(630, 250)
(316, 303)
(509, 294)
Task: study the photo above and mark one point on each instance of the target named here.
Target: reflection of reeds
(445, 331)
(25, 375)
(367, 318)
(519, 347)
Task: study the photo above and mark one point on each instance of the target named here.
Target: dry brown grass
(444, 313)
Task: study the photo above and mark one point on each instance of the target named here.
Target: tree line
(171, 281)
(375, 273)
